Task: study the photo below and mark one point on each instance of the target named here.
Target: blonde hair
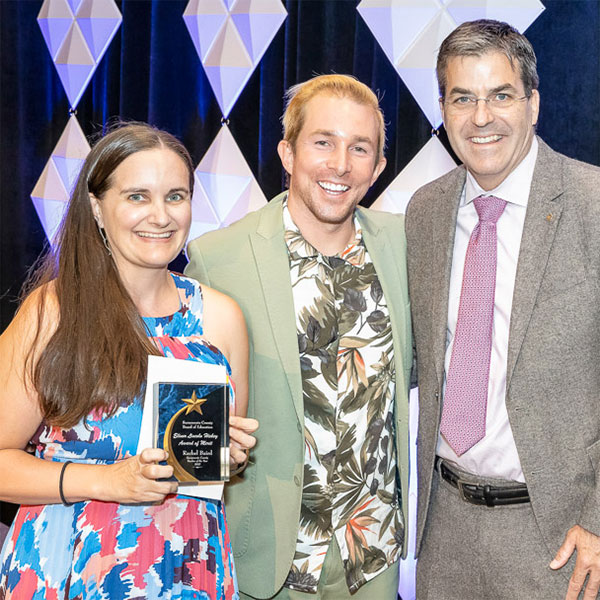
(343, 86)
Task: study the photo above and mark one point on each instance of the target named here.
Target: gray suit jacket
(553, 370)
(249, 262)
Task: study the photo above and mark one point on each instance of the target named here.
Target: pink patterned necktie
(465, 399)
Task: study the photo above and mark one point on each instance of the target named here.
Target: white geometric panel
(411, 31)
(257, 20)
(417, 66)
(203, 215)
(230, 37)
(225, 189)
(53, 189)
(519, 13)
(386, 19)
(431, 162)
(77, 34)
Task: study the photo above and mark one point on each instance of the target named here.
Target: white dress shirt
(496, 454)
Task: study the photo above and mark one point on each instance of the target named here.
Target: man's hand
(587, 563)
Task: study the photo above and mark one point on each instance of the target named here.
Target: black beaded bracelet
(60, 484)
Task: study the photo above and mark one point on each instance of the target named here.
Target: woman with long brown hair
(98, 520)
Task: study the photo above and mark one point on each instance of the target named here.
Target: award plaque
(192, 425)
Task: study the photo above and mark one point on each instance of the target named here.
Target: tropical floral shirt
(346, 358)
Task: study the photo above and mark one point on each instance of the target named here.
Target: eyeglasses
(497, 102)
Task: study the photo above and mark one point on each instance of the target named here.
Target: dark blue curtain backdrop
(151, 72)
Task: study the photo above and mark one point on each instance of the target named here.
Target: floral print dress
(94, 550)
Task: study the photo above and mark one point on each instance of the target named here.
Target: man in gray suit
(504, 256)
(319, 512)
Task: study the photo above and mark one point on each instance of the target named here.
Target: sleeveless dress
(94, 550)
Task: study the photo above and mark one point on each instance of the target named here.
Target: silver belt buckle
(461, 491)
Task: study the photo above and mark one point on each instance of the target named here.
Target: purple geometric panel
(227, 83)
(54, 32)
(50, 213)
(74, 79)
(74, 4)
(52, 191)
(203, 28)
(256, 29)
(98, 32)
(75, 64)
(230, 37)
(68, 169)
(77, 33)
(228, 66)
(50, 186)
(228, 49)
(54, 20)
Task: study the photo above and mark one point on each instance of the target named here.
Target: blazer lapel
(444, 211)
(272, 263)
(539, 229)
(392, 279)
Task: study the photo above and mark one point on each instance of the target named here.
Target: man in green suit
(322, 284)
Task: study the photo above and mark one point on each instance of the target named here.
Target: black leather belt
(486, 495)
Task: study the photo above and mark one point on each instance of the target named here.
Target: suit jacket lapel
(273, 266)
(391, 280)
(444, 214)
(541, 222)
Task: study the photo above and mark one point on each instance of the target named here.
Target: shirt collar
(514, 189)
(299, 248)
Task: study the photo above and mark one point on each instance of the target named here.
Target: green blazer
(249, 262)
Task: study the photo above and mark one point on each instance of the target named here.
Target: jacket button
(296, 480)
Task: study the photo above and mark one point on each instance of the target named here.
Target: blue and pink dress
(94, 550)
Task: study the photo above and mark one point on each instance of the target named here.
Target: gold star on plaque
(194, 403)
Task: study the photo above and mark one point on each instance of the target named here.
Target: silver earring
(104, 238)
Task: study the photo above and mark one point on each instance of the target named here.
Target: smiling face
(146, 211)
(490, 144)
(333, 164)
